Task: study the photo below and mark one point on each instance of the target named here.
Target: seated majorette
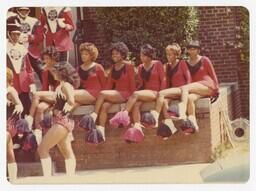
(204, 84)
(62, 123)
(120, 85)
(177, 75)
(152, 79)
(18, 62)
(44, 99)
(93, 80)
(19, 136)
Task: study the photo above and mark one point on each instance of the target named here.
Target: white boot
(70, 165)
(38, 135)
(171, 126)
(138, 126)
(182, 112)
(156, 116)
(12, 171)
(47, 166)
(192, 118)
(94, 116)
(102, 130)
(30, 120)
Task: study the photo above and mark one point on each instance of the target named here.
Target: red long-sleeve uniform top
(179, 75)
(157, 79)
(206, 75)
(96, 80)
(46, 83)
(23, 75)
(126, 84)
(60, 38)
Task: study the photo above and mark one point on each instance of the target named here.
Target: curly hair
(174, 47)
(52, 52)
(148, 51)
(91, 48)
(120, 47)
(9, 76)
(68, 73)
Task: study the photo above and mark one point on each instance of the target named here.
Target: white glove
(67, 108)
(59, 92)
(61, 23)
(32, 88)
(23, 38)
(18, 109)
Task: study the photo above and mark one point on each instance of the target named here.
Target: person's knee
(41, 150)
(41, 108)
(36, 98)
(135, 95)
(105, 107)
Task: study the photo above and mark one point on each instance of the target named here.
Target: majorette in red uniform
(93, 80)
(31, 36)
(58, 24)
(18, 62)
(204, 84)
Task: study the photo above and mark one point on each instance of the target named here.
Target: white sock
(94, 116)
(138, 126)
(12, 171)
(70, 165)
(47, 166)
(193, 119)
(102, 130)
(171, 126)
(30, 120)
(155, 115)
(38, 135)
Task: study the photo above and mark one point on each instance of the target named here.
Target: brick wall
(217, 31)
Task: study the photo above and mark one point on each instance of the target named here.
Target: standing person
(204, 83)
(151, 80)
(58, 23)
(120, 84)
(18, 62)
(62, 123)
(31, 37)
(44, 99)
(14, 108)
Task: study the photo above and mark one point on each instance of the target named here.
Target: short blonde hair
(174, 47)
(91, 48)
(9, 76)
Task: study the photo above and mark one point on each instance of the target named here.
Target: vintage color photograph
(127, 95)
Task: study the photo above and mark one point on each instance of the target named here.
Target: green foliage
(244, 41)
(158, 26)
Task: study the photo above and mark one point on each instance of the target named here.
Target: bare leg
(53, 136)
(165, 108)
(170, 93)
(195, 88)
(112, 96)
(142, 95)
(67, 152)
(9, 148)
(104, 113)
(83, 97)
(136, 112)
(41, 108)
(46, 96)
(191, 109)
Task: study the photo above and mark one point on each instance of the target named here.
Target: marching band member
(58, 24)
(18, 62)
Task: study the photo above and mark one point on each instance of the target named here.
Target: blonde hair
(91, 48)
(174, 47)
(9, 76)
